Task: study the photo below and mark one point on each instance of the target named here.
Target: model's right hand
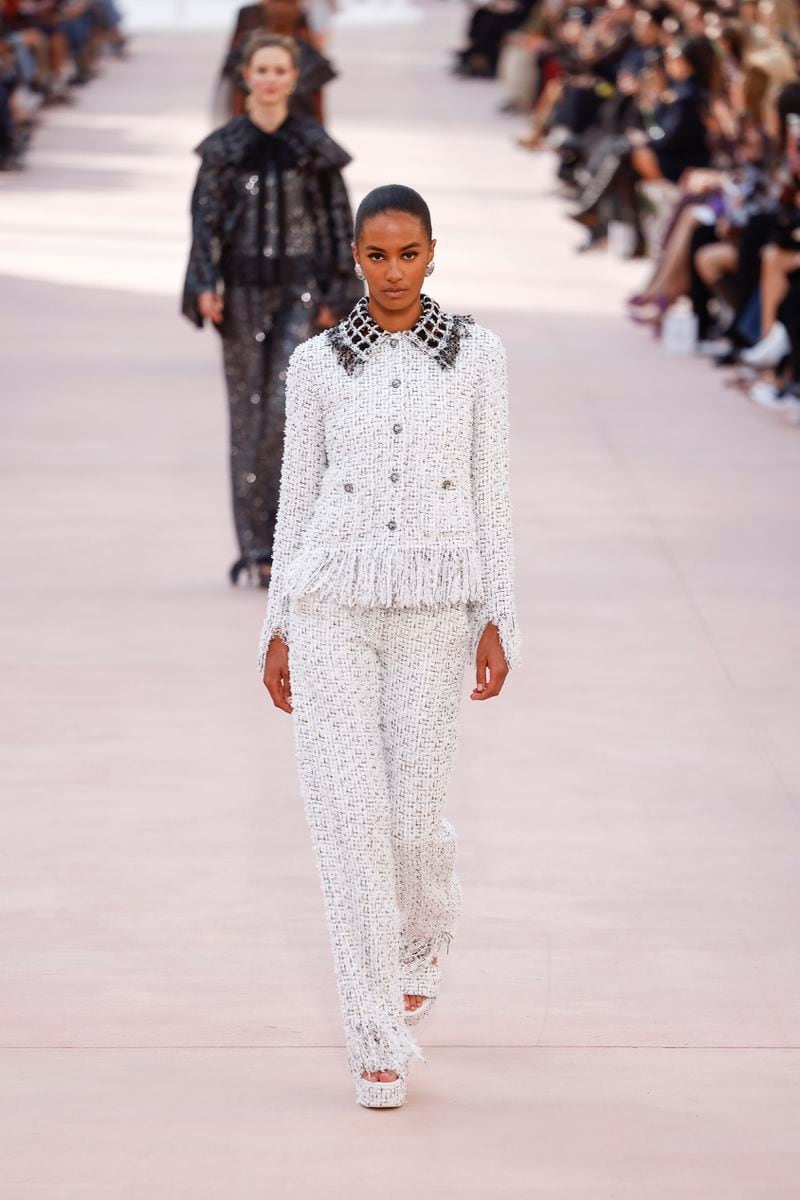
(276, 674)
(210, 306)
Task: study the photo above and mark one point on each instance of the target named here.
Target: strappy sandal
(424, 981)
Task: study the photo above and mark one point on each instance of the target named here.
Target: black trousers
(789, 314)
(261, 329)
(487, 30)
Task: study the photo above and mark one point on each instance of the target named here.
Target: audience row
(676, 130)
(48, 47)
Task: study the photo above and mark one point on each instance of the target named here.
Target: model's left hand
(325, 317)
(490, 660)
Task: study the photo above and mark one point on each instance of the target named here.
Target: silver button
(397, 428)
(395, 475)
(447, 483)
(306, 296)
(260, 335)
(395, 383)
(391, 525)
(250, 477)
(348, 487)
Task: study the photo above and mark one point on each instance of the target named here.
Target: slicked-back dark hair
(393, 197)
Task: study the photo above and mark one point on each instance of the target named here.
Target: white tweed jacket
(395, 478)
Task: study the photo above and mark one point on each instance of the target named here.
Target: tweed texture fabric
(376, 693)
(394, 486)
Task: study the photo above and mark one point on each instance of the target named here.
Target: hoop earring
(431, 267)
(359, 270)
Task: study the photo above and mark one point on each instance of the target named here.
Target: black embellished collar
(436, 332)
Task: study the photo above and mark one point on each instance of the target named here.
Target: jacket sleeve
(207, 211)
(302, 468)
(492, 500)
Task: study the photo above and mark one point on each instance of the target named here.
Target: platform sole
(381, 1095)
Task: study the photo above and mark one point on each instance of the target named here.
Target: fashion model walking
(393, 567)
(270, 264)
(284, 17)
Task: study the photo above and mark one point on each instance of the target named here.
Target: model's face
(393, 251)
(271, 75)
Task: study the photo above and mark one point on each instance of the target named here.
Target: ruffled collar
(435, 332)
(240, 141)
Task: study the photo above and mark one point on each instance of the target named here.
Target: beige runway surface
(620, 1017)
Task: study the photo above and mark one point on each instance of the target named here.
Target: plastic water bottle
(679, 328)
(622, 239)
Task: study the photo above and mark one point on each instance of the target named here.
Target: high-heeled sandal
(236, 570)
(391, 1094)
(258, 570)
(424, 981)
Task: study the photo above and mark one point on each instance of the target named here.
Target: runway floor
(620, 1017)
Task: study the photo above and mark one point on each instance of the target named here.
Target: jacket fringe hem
(388, 576)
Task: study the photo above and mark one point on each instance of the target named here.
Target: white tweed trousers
(376, 693)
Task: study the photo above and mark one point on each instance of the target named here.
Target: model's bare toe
(379, 1076)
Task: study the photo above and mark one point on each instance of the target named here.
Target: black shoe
(258, 569)
(585, 216)
(240, 565)
(727, 360)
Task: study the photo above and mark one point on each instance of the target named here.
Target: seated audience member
(488, 26)
(47, 47)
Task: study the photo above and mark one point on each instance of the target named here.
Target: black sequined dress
(271, 229)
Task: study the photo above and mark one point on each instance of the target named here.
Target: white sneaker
(767, 395)
(770, 350)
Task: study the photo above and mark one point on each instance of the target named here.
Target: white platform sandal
(424, 981)
(400, 1048)
(381, 1095)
